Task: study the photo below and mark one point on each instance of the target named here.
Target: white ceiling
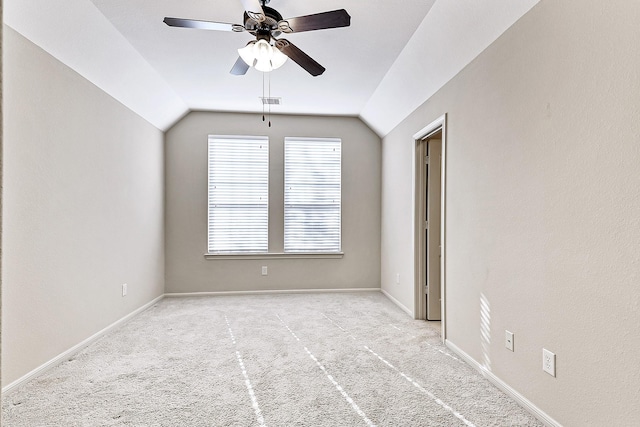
(393, 57)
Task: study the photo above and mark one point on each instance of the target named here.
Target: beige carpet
(268, 360)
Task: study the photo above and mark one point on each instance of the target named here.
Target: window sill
(306, 255)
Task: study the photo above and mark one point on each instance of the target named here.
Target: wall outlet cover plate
(549, 362)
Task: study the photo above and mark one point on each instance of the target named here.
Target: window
(312, 195)
(238, 194)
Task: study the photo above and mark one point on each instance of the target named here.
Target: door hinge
(426, 160)
(426, 225)
(426, 289)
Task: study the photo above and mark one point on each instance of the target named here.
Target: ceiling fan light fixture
(246, 53)
(278, 59)
(262, 50)
(262, 56)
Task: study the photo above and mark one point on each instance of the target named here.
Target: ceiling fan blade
(239, 68)
(299, 57)
(254, 10)
(202, 25)
(319, 21)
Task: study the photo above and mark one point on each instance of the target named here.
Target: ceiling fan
(266, 52)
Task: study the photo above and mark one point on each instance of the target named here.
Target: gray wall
(186, 207)
(83, 209)
(543, 207)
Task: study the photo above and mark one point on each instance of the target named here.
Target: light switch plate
(508, 340)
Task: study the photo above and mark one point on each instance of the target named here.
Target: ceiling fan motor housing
(269, 25)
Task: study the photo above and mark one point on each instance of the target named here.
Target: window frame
(229, 138)
(320, 140)
(272, 255)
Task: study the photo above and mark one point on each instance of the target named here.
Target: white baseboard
(268, 292)
(398, 303)
(520, 399)
(75, 349)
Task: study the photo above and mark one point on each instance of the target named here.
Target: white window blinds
(312, 194)
(238, 194)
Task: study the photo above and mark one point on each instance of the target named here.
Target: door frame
(420, 309)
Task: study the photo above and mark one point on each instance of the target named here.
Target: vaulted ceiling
(392, 58)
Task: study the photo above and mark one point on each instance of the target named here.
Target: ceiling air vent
(271, 101)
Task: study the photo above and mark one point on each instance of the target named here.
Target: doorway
(432, 233)
(430, 179)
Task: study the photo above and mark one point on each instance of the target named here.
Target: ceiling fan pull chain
(263, 97)
(269, 98)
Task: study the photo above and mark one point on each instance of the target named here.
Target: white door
(432, 229)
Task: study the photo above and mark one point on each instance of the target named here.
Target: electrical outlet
(264, 270)
(124, 289)
(397, 278)
(508, 340)
(549, 362)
